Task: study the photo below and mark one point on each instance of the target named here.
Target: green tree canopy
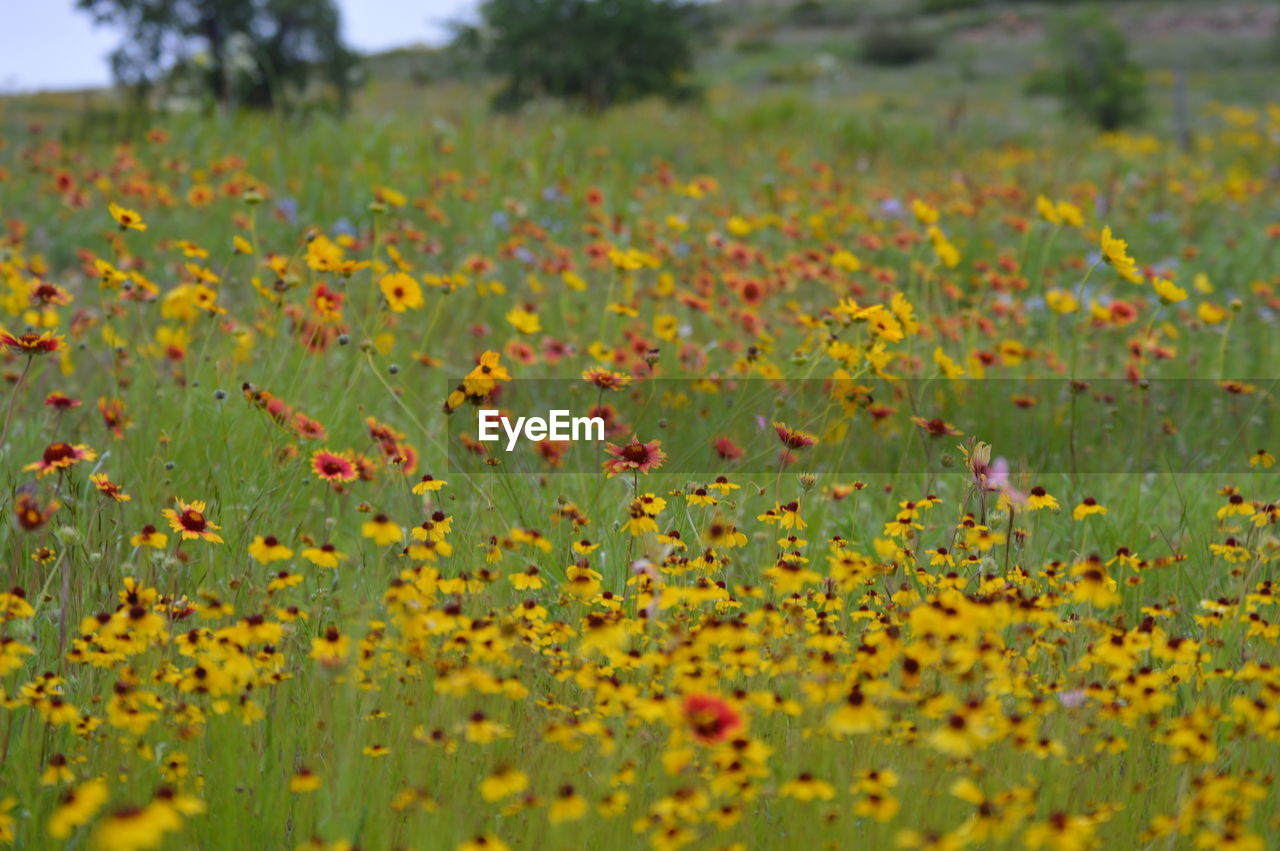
(250, 52)
(593, 52)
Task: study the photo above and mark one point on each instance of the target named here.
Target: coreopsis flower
(325, 555)
(304, 781)
(567, 806)
(135, 828)
(485, 376)
(857, 715)
(31, 344)
(1038, 498)
(60, 456)
(1262, 458)
(382, 529)
(150, 537)
(1115, 253)
(484, 842)
(401, 291)
(1236, 506)
(524, 321)
(1169, 292)
(806, 787)
(56, 771)
(126, 218)
(265, 550)
(188, 520)
(1048, 210)
(334, 467)
(1094, 586)
(428, 484)
(1062, 832)
(1088, 506)
(77, 807)
(503, 783)
(331, 648)
(723, 485)
(7, 821)
(637, 456)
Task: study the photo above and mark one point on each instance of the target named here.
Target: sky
(48, 44)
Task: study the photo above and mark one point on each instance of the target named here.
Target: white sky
(49, 44)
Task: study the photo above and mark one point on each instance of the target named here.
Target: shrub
(1091, 71)
(894, 41)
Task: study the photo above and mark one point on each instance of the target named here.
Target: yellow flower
(324, 556)
(1114, 252)
(481, 380)
(568, 806)
(382, 529)
(1169, 292)
(126, 218)
(304, 781)
(524, 321)
(1048, 211)
(503, 783)
(484, 842)
(1262, 458)
(401, 292)
(1088, 506)
(77, 807)
(268, 549)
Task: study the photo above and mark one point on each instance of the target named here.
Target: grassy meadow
(259, 593)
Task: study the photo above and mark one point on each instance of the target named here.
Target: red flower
(59, 456)
(638, 456)
(710, 719)
(333, 466)
(793, 438)
(31, 344)
(61, 401)
(726, 449)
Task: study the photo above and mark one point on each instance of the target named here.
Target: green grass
(799, 173)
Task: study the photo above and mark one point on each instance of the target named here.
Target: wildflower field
(263, 588)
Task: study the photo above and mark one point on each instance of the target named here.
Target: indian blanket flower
(710, 719)
(334, 467)
(188, 520)
(108, 488)
(31, 343)
(793, 438)
(60, 456)
(633, 456)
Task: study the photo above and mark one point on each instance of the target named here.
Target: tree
(1093, 74)
(593, 52)
(252, 52)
